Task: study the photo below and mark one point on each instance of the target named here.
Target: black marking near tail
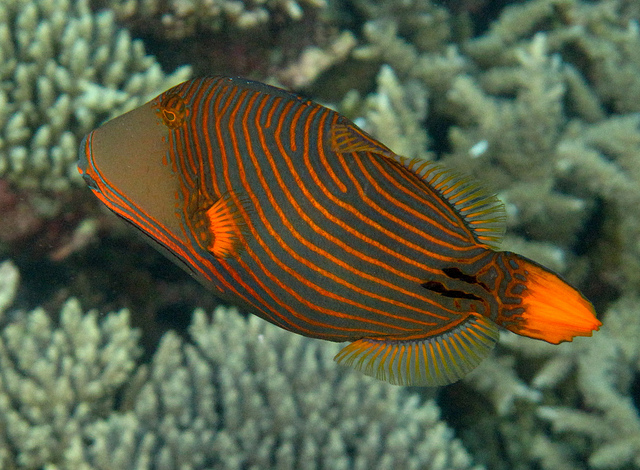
(440, 288)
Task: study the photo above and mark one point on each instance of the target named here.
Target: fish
(291, 212)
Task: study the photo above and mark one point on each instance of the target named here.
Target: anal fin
(432, 361)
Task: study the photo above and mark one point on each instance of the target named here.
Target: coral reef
(241, 394)
(607, 374)
(407, 104)
(55, 381)
(557, 141)
(260, 397)
(314, 60)
(523, 108)
(288, 40)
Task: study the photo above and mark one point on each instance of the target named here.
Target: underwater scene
(319, 234)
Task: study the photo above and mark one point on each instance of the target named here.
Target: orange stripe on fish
(290, 211)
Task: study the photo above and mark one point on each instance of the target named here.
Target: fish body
(287, 209)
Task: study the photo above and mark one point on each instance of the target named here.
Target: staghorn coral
(599, 39)
(435, 67)
(54, 381)
(64, 70)
(553, 154)
(260, 397)
(425, 26)
(242, 394)
(314, 60)
(515, 108)
(606, 370)
(521, 137)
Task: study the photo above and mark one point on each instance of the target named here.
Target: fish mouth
(83, 162)
(85, 147)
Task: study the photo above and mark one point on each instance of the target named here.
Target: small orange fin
(347, 138)
(218, 226)
(553, 310)
(432, 361)
(226, 225)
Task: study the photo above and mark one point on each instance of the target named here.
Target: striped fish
(290, 211)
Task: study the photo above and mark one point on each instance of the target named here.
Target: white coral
(246, 394)
(55, 380)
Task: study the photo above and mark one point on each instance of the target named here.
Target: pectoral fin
(219, 225)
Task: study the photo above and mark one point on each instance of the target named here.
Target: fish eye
(173, 110)
(169, 116)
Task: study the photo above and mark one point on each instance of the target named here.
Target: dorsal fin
(436, 360)
(347, 138)
(483, 211)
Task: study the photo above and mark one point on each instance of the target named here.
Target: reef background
(538, 99)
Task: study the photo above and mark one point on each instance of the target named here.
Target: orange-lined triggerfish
(290, 211)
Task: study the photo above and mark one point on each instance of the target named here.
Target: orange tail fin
(553, 310)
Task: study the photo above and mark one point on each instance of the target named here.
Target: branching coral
(542, 108)
(54, 381)
(556, 172)
(394, 114)
(259, 397)
(521, 114)
(585, 390)
(521, 136)
(599, 39)
(314, 60)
